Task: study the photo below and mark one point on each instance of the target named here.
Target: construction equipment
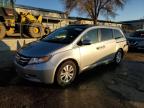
(12, 23)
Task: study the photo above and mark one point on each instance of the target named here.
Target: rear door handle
(100, 47)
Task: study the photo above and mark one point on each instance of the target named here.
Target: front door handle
(100, 47)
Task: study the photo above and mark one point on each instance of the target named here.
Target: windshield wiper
(54, 41)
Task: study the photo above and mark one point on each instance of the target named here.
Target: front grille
(22, 60)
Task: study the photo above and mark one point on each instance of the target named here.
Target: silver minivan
(68, 51)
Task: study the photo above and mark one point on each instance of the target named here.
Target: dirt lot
(95, 88)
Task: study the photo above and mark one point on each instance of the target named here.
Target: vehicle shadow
(93, 75)
(6, 64)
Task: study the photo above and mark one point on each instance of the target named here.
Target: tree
(93, 8)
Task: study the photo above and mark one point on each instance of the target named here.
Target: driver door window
(91, 35)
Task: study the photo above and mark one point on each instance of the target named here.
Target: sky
(133, 10)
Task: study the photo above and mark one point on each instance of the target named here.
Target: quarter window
(106, 34)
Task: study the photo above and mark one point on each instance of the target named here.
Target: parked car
(136, 40)
(68, 51)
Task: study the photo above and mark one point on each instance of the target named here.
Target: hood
(40, 48)
(135, 39)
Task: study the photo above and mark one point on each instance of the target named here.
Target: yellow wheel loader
(14, 24)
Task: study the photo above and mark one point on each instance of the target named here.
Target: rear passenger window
(117, 34)
(106, 34)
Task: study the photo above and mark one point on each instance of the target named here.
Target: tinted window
(117, 34)
(91, 35)
(106, 34)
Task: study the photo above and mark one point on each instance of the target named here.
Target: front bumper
(136, 44)
(125, 48)
(43, 72)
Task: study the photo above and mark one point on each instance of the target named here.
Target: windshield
(6, 3)
(139, 34)
(64, 35)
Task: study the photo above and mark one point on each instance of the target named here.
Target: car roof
(89, 26)
(80, 25)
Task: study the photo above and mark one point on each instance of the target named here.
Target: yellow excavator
(14, 24)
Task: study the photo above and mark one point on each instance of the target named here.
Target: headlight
(39, 60)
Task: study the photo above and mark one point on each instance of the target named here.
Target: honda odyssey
(68, 51)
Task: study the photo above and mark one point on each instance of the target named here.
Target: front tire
(66, 73)
(118, 57)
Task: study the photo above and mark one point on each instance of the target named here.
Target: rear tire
(2, 31)
(66, 73)
(35, 30)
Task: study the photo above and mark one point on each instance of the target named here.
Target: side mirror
(86, 42)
